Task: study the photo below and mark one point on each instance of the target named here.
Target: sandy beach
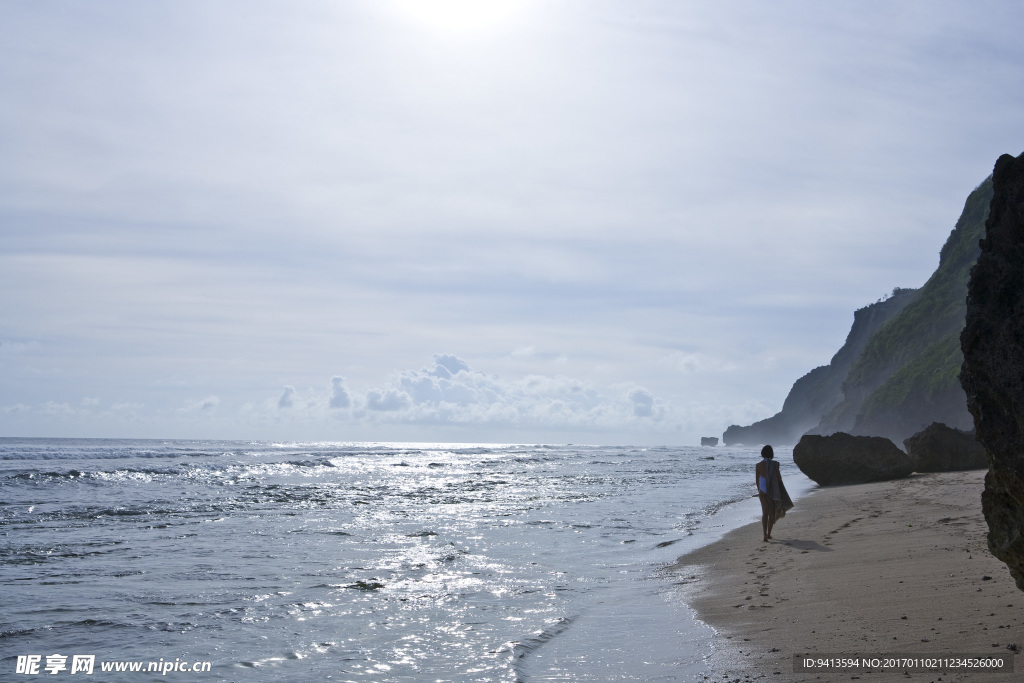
(898, 568)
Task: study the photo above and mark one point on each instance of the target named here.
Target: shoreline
(897, 567)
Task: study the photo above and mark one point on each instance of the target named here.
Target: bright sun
(461, 15)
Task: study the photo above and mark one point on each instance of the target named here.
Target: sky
(531, 221)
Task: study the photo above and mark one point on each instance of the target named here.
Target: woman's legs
(766, 517)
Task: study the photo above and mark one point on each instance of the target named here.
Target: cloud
(340, 397)
(643, 402)
(448, 363)
(126, 410)
(450, 392)
(387, 401)
(200, 405)
(287, 398)
(58, 409)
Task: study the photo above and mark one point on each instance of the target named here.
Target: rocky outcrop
(709, 441)
(993, 370)
(844, 459)
(938, 448)
(817, 392)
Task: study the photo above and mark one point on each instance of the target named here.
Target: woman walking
(775, 501)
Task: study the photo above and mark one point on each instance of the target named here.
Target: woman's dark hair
(767, 452)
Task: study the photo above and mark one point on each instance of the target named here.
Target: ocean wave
(528, 646)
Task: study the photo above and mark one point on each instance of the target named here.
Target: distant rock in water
(709, 441)
(845, 459)
(938, 448)
(993, 368)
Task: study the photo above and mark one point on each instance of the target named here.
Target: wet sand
(896, 567)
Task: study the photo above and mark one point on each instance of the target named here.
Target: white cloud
(388, 400)
(447, 365)
(127, 410)
(59, 409)
(643, 402)
(287, 399)
(202, 406)
(436, 395)
(340, 397)
(448, 394)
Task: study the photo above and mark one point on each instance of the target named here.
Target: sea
(326, 561)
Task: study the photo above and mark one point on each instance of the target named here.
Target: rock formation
(993, 368)
(709, 441)
(844, 459)
(938, 448)
(817, 392)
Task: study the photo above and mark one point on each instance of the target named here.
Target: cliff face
(898, 370)
(820, 390)
(906, 377)
(993, 368)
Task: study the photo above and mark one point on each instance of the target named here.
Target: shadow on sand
(806, 545)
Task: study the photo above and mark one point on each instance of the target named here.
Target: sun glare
(461, 15)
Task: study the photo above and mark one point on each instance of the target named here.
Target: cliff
(820, 390)
(899, 369)
(907, 376)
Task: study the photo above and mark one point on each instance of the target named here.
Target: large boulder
(844, 459)
(938, 448)
(993, 371)
(709, 441)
